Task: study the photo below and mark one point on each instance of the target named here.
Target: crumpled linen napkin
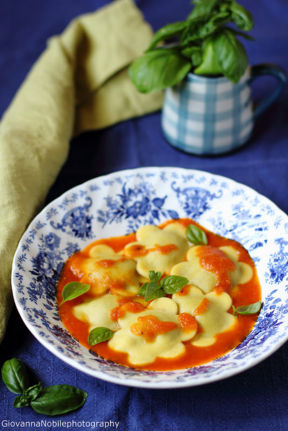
(79, 83)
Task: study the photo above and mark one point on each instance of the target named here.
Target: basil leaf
(173, 283)
(195, 235)
(209, 64)
(241, 34)
(153, 291)
(15, 376)
(28, 395)
(248, 309)
(59, 399)
(203, 7)
(154, 276)
(231, 54)
(194, 53)
(241, 16)
(21, 401)
(201, 28)
(158, 69)
(74, 289)
(167, 32)
(98, 335)
(33, 392)
(142, 290)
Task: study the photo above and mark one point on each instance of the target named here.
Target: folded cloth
(80, 82)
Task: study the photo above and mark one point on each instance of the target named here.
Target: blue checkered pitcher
(209, 116)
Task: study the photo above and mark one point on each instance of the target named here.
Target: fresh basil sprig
(195, 235)
(74, 289)
(98, 335)
(52, 400)
(28, 395)
(249, 309)
(159, 287)
(206, 34)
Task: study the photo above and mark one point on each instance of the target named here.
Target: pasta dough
(97, 311)
(106, 269)
(158, 249)
(205, 279)
(139, 350)
(213, 319)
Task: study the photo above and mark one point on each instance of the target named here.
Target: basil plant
(206, 43)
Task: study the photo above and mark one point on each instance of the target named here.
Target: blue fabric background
(254, 400)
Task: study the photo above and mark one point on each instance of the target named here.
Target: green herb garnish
(173, 283)
(159, 287)
(248, 309)
(52, 400)
(205, 43)
(97, 335)
(154, 276)
(195, 235)
(74, 289)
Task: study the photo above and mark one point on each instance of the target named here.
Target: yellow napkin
(80, 82)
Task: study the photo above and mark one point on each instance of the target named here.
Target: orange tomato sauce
(125, 304)
(193, 356)
(150, 326)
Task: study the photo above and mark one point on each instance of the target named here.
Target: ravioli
(139, 349)
(210, 311)
(106, 269)
(158, 249)
(97, 312)
(243, 272)
(157, 325)
(204, 277)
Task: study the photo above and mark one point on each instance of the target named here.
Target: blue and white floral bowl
(121, 202)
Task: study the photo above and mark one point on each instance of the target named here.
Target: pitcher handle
(281, 77)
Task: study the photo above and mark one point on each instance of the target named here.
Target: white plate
(119, 203)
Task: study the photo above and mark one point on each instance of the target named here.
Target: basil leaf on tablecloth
(53, 400)
(59, 399)
(15, 376)
(28, 395)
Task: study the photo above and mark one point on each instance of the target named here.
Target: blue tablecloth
(254, 400)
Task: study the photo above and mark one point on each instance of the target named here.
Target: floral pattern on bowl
(119, 203)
